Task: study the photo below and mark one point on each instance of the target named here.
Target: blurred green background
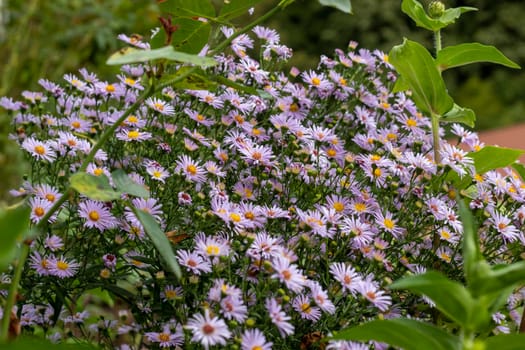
(47, 38)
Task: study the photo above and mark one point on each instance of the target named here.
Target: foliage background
(41, 38)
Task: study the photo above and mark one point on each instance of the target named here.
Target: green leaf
(94, 187)
(417, 67)
(131, 55)
(236, 8)
(459, 115)
(188, 8)
(14, 223)
(494, 157)
(471, 251)
(160, 241)
(404, 333)
(505, 342)
(125, 184)
(400, 85)
(191, 36)
(500, 278)
(417, 13)
(463, 54)
(450, 297)
(342, 5)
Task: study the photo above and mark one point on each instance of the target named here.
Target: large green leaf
(506, 342)
(499, 278)
(462, 54)
(94, 187)
(459, 115)
(494, 157)
(417, 13)
(342, 5)
(236, 8)
(160, 241)
(125, 184)
(404, 333)
(191, 35)
(188, 8)
(450, 297)
(131, 55)
(418, 69)
(14, 223)
(471, 251)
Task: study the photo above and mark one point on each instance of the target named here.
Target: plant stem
(437, 41)
(280, 6)
(11, 297)
(435, 137)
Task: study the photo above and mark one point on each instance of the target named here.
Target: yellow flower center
(170, 294)
(212, 250)
(294, 107)
(360, 207)
(256, 155)
(338, 206)
(40, 149)
(377, 172)
(110, 88)
(200, 117)
(129, 81)
(134, 134)
(132, 119)
(389, 224)
(62, 265)
(331, 152)
(192, 169)
(411, 122)
(98, 171)
(50, 197)
(39, 211)
(164, 337)
(75, 124)
(159, 106)
(316, 81)
(235, 217)
(94, 215)
(249, 215)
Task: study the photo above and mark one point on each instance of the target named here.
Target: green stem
(280, 6)
(11, 297)
(435, 137)
(437, 41)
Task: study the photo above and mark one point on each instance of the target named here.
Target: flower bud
(436, 9)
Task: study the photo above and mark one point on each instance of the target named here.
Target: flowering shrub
(291, 201)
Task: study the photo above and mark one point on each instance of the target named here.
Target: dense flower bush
(290, 204)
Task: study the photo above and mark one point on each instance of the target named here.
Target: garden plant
(209, 198)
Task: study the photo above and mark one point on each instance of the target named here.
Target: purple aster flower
(254, 339)
(53, 243)
(39, 208)
(160, 106)
(62, 268)
(279, 318)
(193, 262)
(207, 330)
(97, 215)
(167, 338)
(288, 274)
(41, 150)
(191, 169)
(41, 263)
(346, 275)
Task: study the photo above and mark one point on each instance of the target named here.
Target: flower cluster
(289, 210)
